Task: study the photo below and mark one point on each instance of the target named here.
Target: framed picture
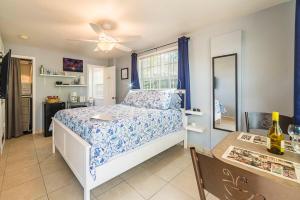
(124, 73)
(72, 65)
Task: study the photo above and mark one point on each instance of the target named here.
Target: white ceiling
(48, 23)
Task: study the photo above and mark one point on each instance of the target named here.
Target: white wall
(45, 86)
(123, 86)
(266, 64)
(267, 58)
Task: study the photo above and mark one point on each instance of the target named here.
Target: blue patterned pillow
(155, 99)
(130, 98)
(175, 102)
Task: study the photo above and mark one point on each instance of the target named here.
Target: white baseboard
(38, 131)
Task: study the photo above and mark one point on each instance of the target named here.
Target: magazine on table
(262, 140)
(276, 166)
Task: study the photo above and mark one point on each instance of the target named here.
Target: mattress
(130, 128)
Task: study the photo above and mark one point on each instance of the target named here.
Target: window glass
(159, 71)
(96, 82)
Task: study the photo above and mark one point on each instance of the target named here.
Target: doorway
(102, 84)
(28, 93)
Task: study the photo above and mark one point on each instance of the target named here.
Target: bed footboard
(77, 158)
(76, 153)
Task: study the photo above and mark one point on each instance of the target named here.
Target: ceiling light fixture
(23, 37)
(106, 46)
(106, 43)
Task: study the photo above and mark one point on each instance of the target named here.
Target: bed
(145, 124)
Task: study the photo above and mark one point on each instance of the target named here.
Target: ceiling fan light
(106, 46)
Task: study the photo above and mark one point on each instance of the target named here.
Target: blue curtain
(135, 83)
(297, 66)
(183, 69)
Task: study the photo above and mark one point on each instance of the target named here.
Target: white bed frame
(76, 153)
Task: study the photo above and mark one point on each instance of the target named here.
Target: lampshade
(106, 46)
(106, 43)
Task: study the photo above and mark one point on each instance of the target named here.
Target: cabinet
(49, 111)
(2, 124)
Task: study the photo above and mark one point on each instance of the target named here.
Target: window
(159, 70)
(96, 82)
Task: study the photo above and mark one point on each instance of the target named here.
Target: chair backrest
(259, 120)
(228, 182)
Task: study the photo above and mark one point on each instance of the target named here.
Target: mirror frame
(236, 91)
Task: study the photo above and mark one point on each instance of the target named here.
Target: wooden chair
(232, 183)
(259, 120)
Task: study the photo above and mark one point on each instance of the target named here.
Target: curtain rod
(159, 47)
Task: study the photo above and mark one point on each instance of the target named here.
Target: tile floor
(28, 170)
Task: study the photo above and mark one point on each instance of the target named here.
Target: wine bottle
(275, 139)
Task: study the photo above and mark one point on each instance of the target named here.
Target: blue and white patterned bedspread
(131, 127)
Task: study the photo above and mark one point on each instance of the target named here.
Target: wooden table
(291, 188)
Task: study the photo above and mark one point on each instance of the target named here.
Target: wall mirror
(225, 109)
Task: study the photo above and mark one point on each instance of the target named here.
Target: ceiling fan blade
(128, 38)
(97, 28)
(83, 40)
(123, 48)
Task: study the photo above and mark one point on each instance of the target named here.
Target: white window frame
(153, 54)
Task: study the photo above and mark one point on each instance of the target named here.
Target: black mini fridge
(49, 111)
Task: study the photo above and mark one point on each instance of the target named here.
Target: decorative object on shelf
(81, 99)
(42, 70)
(191, 112)
(72, 65)
(73, 97)
(124, 73)
(52, 99)
(196, 109)
(58, 75)
(76, 81)
(81, 80)
(91, 100)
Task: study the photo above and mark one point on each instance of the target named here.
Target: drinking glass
(294, 132)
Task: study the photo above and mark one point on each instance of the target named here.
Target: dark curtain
(297, 66)
(14, 100)
(183, 69)
(135, 83)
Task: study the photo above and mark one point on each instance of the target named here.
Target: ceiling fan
(105, 42)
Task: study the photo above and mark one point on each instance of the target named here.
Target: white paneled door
(102, 84)
(109, 89)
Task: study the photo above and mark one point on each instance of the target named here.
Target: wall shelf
(58, 75)
(71, 85)
(197, 129)
(190, 112)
